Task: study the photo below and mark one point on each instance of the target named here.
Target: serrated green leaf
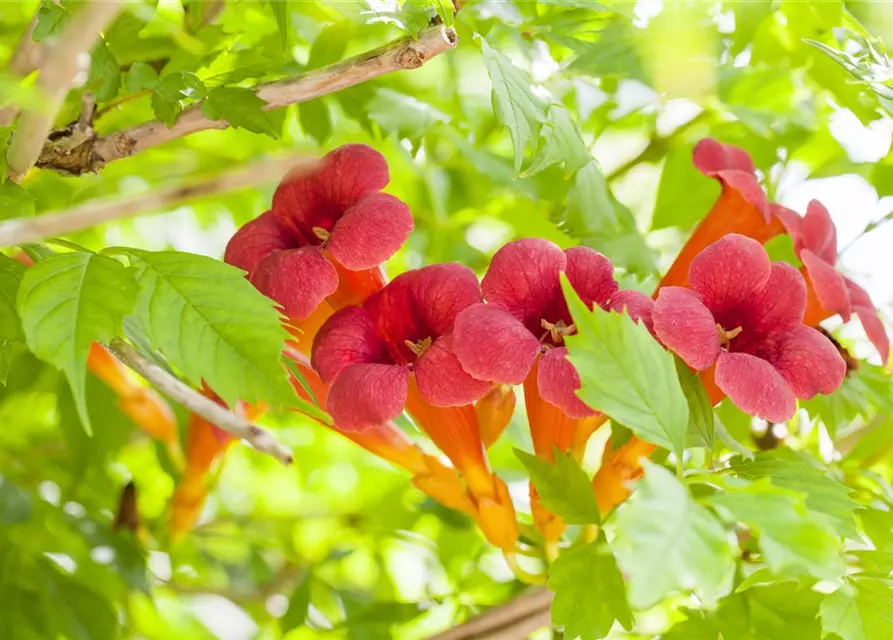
(15, 202)
(11, 272)
(859, 610)
(684, 194)
(51, 17)
(141, 77)
(172, 90)
(589, 592)
(105, 73)
(212, 325)
(589, 201)
(824, 496)
(67, 302)
(563, 487)
(166, 109)
(515, 104)
(403, 115)
(701, 427)
(241, 108)
(791, 538)
(626, 374)
(666, 542)
(560, 143)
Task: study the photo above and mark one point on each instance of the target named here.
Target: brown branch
(94, 212)
(257, 437)
(58, 73)
(24, 60)
(409, 52)
(514, 620)
(657, 148)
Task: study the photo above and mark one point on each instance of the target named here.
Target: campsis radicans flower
(395, 352)
(743, 315)
(741, 208)
(829, 291)
(326, 234)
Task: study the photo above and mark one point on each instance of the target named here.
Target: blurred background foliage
(492, 141)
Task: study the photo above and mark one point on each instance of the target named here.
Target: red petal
(789, 219)
(817, 233)
(733, 167)
(830, 287)
(808, 361)
(318, 198)
(366, 395)
(491, 344)
(523, 279)
(729, 272)
(256, 240)
(777, 307)
(637, 305)
(441, 379)
(686, 327)
(558, 383)
(297, 279)
(870, 319)
(348, 337)
(370, 232)
(591, 275)
(755, 386)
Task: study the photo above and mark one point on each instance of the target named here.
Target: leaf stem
(524, 576)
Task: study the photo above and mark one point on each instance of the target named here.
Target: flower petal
(491, 344)
(366, 395)
(558, 383)
(729, 272)
(686, 327)
(318, 198)
(370, 232)
(817, 233)
(875, 330)
(637, 305)
(733, 167)
(755, 386)
(523, 279)
(808, 361)
(591, 275)
(442, 380)
(348, 337)
(829, 285)
(256, 240)
(790, 220)
(779, 305)
(297, 279)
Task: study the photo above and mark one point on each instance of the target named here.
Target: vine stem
(256, 436)
(514, 620)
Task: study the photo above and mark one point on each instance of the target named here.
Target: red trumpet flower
(326, 234)
(830, 292)
(744, 315)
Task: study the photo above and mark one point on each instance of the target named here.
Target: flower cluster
(448, 349)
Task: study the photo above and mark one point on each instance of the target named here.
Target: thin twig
(94, 212)
(58, 72)
(657, 148)
(409, 52)
(257, 437)
(514, 620)
(24, 60)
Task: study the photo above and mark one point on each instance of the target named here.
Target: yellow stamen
(556, 331)
(420, 347)
(321, 233)
(725, 337)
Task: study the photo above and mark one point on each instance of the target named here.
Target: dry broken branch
(94, 212)
(58, 72)
(409, 52)
(257, 437)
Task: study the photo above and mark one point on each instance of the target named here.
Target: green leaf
(787, 469)
(315, 119)
(105, 73)
(790, 537)
(626, 374)
(15, 202)
(141, 77)
(67, 302)
(563, 487)
(16, 505)
(700, 428)
(281, 13)
(298, 604)
(212, 324)
(11, 272)
(589, 592)
(666, 542)
(560, 143)
(684, 194)
(241, 108)
(172, 90)
(5, 133)
(51, 17)
(515, 104)
(859, 610)
(403, 115)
